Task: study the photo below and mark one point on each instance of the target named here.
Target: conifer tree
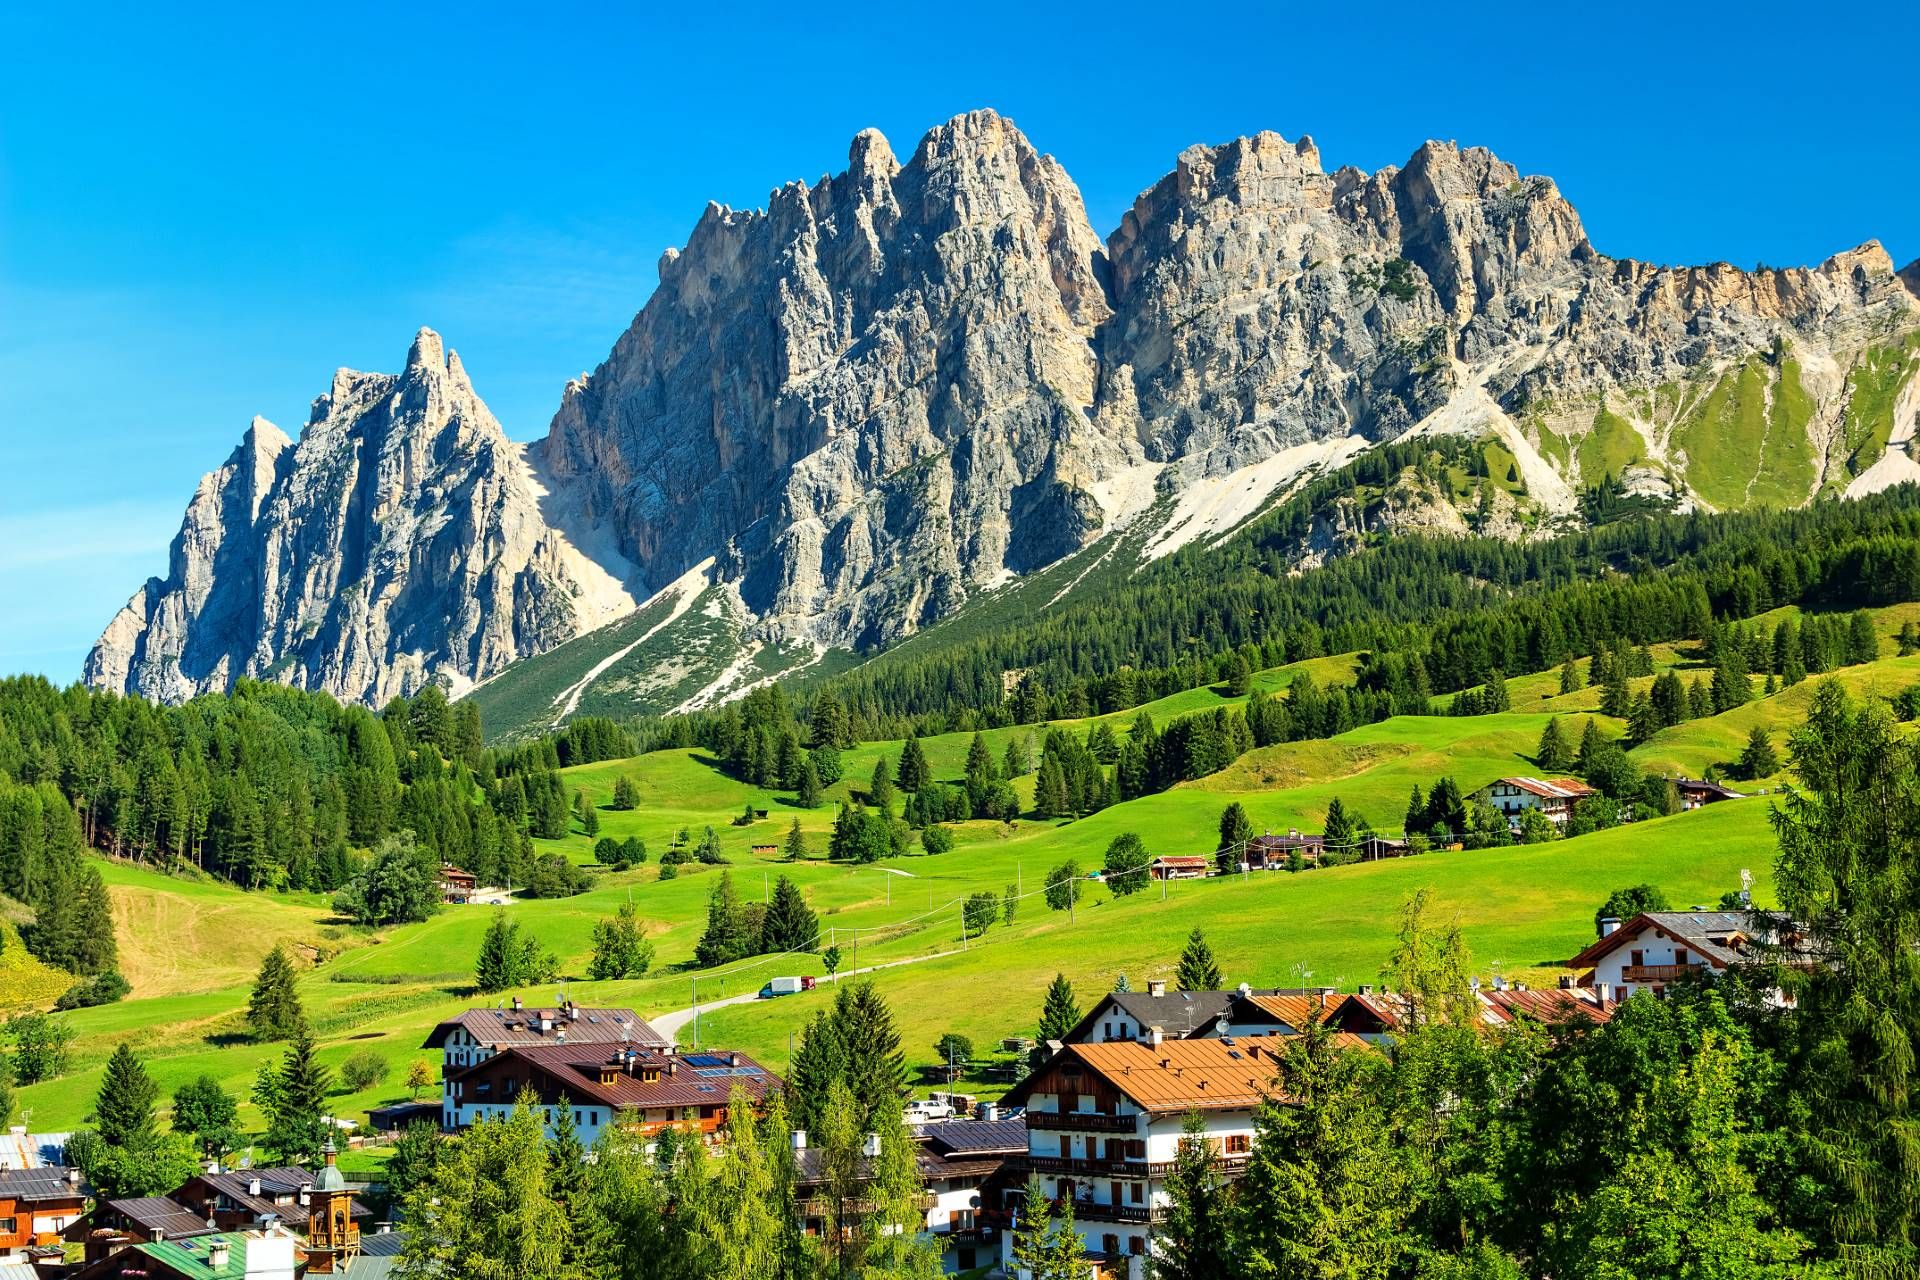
(274, 1009)
(912, 775)
(1193, 1244)
(626, 793)
(790, 924)
(809, 788)
(1758, 759)
(1415, 822)
(1198, 970)
(1338, 831)
(1553, 754)
(726, 938)
(795, 847)
(1235, 830)
(293, 1097)
(1061, 1012)
(123, 1109)
(1570, 681)
(880, 790)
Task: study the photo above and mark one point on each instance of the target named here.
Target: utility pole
(696, 1013)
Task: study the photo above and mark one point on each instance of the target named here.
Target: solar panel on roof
(705, 1060)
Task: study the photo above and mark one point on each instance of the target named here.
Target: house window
(1680, 955)
(9, 1226)
(1633, 958)
(1138, 1194)
(1110, 1244)
(1238, 1144)
(1136, 1245)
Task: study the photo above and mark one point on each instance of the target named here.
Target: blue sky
(203, 213)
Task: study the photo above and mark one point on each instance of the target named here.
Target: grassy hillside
(191, 947)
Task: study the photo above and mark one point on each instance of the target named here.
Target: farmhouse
(1270, 852)
(457, 885)
(1179, 866)
(242, 1198)
(1104, 1123)
(647, 1087)
(1554, 797)
(1658, 948)
(1695, 792)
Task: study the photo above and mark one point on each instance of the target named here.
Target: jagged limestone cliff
(400, 541)
(891, 391)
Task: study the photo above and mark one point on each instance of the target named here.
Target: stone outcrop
(870, 398)
(398, 542)
(892, 390)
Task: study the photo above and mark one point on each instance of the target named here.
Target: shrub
(363, 1070)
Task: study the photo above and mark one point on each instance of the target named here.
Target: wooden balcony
(1656, 972)
(1082, 1121)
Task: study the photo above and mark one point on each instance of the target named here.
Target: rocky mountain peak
(399, 541)
(900, 386)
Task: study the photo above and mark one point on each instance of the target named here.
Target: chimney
(217, 1251)
(1603, 992)
(1366, 988)
(1155, 1035)
(573, 1012)
(871, 1147)
(1566, 982)
(1246, 989)
(733, 1059)
(517, 1006)
(253, 1186)
(989, 1111)
(1609, 925)
(1157, 988)
(799, 1139)
(546, 1021)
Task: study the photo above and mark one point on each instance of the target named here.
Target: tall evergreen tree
(1849, 838)
(1194, 1242)
(1554, 754)
(728, 936)
(273, 1011)
(123, 1109)
(1198, 970)
(1235, 830)
(1321, 1196)
(1758, 759)
(1061, 1012)
(790, 924)
(912, 775)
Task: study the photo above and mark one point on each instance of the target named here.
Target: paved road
(670, 1024)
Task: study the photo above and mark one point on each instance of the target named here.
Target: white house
(1657, 948)
(1104, 1123)
(1554, 797)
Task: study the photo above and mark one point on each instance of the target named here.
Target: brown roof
(1549, 1006)
(1186, 1075)
(501, 1028)
(701, 1079)
(1296, 1011)
(1183, 860)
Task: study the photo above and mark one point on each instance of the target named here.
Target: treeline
(273, 787)
(1466, 606)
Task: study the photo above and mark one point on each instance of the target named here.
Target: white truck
(785, 987)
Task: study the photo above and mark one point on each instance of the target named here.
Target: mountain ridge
(909, 384)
